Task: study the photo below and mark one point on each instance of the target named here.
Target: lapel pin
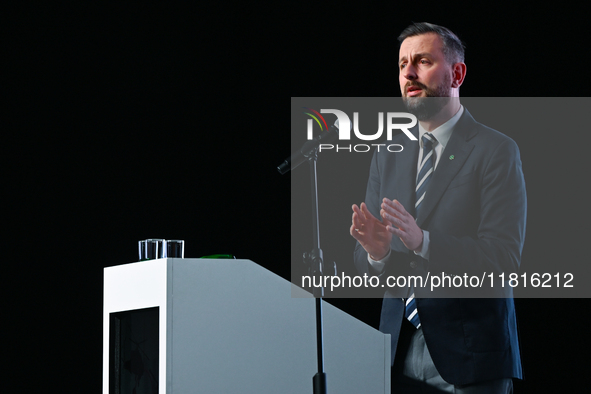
(452, 157)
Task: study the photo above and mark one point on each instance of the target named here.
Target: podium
(228, 326)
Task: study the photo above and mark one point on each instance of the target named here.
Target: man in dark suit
(454, 203)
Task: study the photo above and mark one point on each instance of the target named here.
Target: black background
(130, 121)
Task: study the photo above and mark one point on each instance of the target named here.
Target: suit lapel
(453, 158)
(406, 173)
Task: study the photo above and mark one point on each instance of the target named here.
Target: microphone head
(284, 167)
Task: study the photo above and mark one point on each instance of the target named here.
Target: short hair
(453, 48)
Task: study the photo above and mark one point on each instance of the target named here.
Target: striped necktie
(425, 171)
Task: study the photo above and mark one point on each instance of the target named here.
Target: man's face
(424, 72)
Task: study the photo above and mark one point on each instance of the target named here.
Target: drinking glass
(174, 248)
(150, 249)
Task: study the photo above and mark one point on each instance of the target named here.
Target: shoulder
(485, 139)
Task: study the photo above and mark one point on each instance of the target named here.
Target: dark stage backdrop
(129, 121)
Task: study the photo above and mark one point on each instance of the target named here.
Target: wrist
(381, 258)
(419, 248)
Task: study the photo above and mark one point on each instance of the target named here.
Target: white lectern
(228, 326)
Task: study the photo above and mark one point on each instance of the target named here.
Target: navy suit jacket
(475, 212)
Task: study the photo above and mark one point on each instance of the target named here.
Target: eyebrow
(417, 55)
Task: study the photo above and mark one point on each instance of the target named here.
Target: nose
(409, 72)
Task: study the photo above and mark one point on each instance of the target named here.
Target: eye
(402, 65)
(424, 61)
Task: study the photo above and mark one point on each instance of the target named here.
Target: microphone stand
(313, 260)
(315, 264)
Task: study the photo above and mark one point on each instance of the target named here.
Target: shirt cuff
(424, 253)
(378, 265)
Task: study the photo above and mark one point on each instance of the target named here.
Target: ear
(458, 74)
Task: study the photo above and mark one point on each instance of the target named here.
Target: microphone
(308, 149)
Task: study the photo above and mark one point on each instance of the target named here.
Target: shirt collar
(443, 132)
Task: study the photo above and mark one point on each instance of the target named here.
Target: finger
(356, 212)
(393, 220)
(385, 217)
(399, 207)
(361, 216)
(366, 212)
(396, 231)
(386, 202)
(355, 220)
(396, 209)
(358, 223)
(355, 233)
(362, 208)
(391, 210)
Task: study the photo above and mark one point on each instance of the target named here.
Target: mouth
(413, 91)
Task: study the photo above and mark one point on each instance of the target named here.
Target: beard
(425, 108)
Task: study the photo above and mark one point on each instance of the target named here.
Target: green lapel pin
(452, 157)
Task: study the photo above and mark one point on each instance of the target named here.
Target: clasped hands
(375, 235)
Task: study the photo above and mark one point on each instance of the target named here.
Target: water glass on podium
(150, 249)
(174, 248)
